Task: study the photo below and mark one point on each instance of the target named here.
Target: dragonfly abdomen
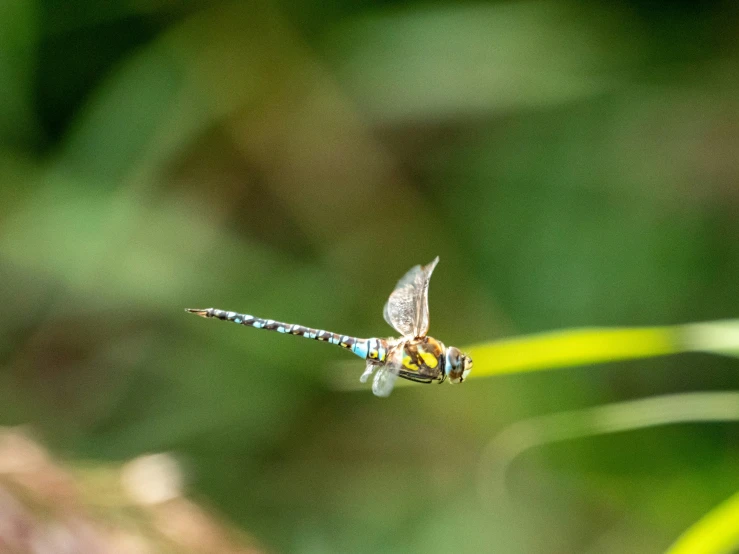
(372, 349)
(364, 348)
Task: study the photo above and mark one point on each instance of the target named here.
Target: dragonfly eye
(457, 365)
(467, 367)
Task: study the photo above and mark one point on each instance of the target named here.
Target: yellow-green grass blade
(594, 345)
(571, 348)
(715, 533)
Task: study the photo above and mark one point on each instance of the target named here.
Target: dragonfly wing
(384, 380)
(369, 368)
(407, 309)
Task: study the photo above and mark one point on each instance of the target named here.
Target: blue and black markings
(372, 349)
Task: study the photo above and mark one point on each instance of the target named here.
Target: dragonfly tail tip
(197, 311)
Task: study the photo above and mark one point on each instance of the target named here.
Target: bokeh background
(573, 164)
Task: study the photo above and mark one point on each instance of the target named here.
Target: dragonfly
(413, 356)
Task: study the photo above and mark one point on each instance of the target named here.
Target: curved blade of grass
(524, 435)
(715, 533)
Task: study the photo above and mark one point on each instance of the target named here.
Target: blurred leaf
(18, 47)
(463, 59)
(158, 101)
(716, 337)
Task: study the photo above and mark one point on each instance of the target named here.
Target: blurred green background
(572, 164)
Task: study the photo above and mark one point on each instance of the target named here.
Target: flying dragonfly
(414, 356)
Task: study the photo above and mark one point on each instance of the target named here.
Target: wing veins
(407, 308)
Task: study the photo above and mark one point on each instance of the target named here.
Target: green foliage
(573, 167)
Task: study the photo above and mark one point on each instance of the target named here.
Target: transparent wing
(384, 380)
(369, 368)
(407, 309)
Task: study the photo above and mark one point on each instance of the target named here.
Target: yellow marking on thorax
(408, 364)
(429, 359)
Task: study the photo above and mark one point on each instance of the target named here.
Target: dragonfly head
(458, 365)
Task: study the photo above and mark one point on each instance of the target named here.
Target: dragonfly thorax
(422, 359)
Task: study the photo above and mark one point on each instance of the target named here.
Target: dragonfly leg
(415, 378)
